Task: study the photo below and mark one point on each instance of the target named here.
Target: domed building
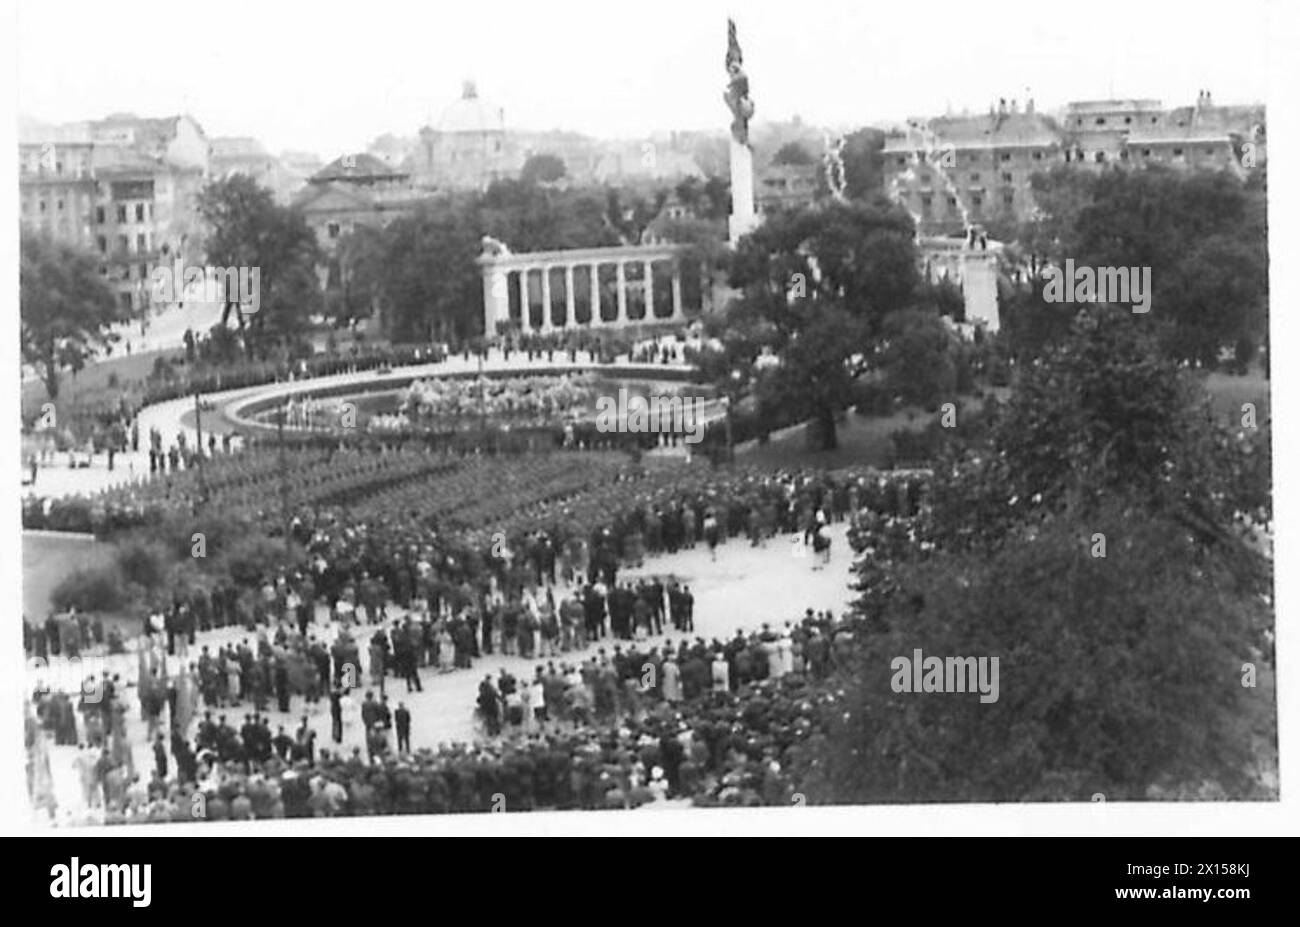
(466, 147)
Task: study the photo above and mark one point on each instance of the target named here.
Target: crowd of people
(542, 583)
(714, 723)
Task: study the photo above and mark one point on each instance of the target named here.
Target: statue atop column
(737, 95)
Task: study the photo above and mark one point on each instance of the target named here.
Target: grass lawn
(862, 440)
(93, 381)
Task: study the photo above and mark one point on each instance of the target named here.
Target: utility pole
(482, 409)
(284, 481)
(198, 427)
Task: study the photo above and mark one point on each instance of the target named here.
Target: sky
(329, 77)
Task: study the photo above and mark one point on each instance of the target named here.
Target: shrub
(92, 589)
(142, 562)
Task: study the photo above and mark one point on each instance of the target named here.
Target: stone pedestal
(743, 219)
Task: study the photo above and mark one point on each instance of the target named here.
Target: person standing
(672, 681)
(721, 673)
(402, 718)
(336, 714)
(160, 756)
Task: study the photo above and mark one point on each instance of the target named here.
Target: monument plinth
(743, 219)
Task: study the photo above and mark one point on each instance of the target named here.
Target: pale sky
(329, 76)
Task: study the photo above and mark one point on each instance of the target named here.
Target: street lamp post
(284, 480)
(198, 449)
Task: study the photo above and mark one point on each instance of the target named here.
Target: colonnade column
(570, 307)
(649, 273)
(547, 324)
(596, 320)
(622, 295)
(525, 323)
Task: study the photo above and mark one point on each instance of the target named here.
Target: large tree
(1202, 235)
(425, 274)
(542, 168)
(66, 308)
(1094, 544)
(247, 229)
(816, 285)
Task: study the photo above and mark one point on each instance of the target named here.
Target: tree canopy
(66, 309)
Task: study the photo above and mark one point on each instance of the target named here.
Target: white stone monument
(743, 218)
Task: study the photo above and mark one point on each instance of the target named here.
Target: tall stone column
(622, 295)
(596, 320)
(525, 323)
(648, 271)
(677, 291)
(547, 324)
(570, 309)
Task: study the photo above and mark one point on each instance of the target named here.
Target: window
(976, 200)
(139, 244)
(1099, 156)
(1038, 156)
(1127, 120)
(1008, 198)
(1153, 120)
(103, 270)
(103, 245)
(1146, 152)
(1006, 156)
(952, 201)
(1178, 152)
(333, 230)
(1007, 177)
(121, 212)
(121, 244)
(125, 300)
(1101, 120)
(99, 214)
(975, 177)
(1123, 155)
(58, 204)
(1078, 122)
(58, 167)
(42, 205)
(902, 162)
(1209, 151)
(139, 212)
(925, 178)
(144, 271)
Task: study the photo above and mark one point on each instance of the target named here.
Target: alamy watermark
(919, 673)
(651, 415)
(1088, 284)
(242, 285)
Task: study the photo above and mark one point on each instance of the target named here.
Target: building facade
(953, 172)
(123, 188)
(354, 191)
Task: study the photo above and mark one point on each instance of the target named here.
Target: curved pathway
(176, 416)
